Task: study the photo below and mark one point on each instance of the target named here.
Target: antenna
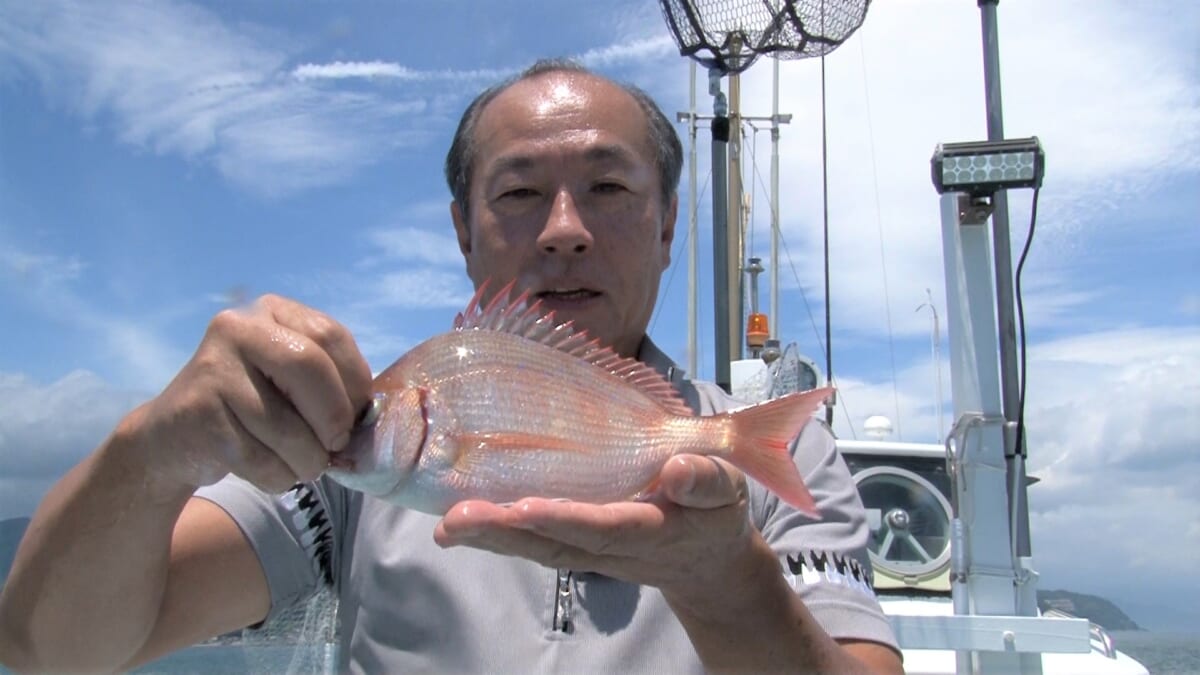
(937, 361)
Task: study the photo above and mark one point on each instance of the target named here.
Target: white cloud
(46, 429)
(49, 285)
(421, 289)
(911, 77)
(339, 70)
(1189, 305)
(638, 50)
(1112, 434)
(407, 276)
(39, 270)
(416, 244)
(174, 79)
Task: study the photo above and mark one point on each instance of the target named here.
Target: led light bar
(981, 168)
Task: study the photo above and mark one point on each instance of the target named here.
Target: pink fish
(511, 404)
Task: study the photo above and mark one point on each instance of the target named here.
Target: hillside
(11, 531)
(1091, 607)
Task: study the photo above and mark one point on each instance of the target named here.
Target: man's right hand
(272, 390)
(120, 563)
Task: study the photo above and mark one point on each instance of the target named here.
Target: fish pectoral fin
(647, 493)
(473, 447)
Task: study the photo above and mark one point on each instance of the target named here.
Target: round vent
(910, 524)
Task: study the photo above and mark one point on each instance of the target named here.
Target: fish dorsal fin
(526, 319)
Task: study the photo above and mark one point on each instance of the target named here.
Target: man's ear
(461, 228)
(668, 229)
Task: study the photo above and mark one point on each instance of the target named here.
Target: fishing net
(728, 35)
(790, 373)
(301, 641)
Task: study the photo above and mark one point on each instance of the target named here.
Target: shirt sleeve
(293, 534)
(824, 560)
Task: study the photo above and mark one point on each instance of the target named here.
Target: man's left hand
(692, 532)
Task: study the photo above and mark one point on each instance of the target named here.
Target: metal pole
(978, 458)
(774, 319)
(829, 403)
(733, 234)
(720, 141)
(1010, 390)
(693, 243)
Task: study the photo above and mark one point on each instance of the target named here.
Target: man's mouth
(568, 294)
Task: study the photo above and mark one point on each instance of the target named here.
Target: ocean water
(1162, 653)
(250, 659)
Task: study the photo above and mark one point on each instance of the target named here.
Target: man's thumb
(702, 482)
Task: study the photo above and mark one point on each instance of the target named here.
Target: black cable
(1020, 450)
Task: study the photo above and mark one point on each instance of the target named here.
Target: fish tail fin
(761, 434)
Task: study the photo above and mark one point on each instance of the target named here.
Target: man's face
(565, 199)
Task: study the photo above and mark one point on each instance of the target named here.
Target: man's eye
(518, 193)
(608, 186)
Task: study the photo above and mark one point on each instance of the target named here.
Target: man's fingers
(271, 420)
(618, 529)
(302, 371)
(702, 482)
(257, 463)
(504, 530)
(334, 339)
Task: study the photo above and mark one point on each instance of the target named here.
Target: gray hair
(460, 160)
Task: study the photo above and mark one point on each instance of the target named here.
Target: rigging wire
(671, 277)
(787, 254)
(887, 302)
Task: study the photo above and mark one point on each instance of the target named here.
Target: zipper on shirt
(563, 599)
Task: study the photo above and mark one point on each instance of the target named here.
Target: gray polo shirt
(407, 605)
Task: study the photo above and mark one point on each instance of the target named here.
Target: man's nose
(564, 231)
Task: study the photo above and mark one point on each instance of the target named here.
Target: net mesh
(728, 35)
(300, 641)
(787, 374)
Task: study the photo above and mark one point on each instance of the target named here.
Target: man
(565, 182)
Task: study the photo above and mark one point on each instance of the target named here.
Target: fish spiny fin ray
(528, 320)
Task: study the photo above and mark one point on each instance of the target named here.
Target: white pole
(693, 244)
(774, 319)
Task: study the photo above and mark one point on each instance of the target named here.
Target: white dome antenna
(877, 427)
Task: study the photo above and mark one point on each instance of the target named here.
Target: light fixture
(981, 168)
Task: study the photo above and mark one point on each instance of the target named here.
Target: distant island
(1090, 607)
(11, 531)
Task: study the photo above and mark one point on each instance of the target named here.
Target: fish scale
(512, 404)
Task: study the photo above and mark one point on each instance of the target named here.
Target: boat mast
(1009, 386)
(735, 228)
(720, 227)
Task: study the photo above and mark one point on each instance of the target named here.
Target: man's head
(662, 136)
(566, 182)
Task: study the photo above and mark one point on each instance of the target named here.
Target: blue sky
(159, 160)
